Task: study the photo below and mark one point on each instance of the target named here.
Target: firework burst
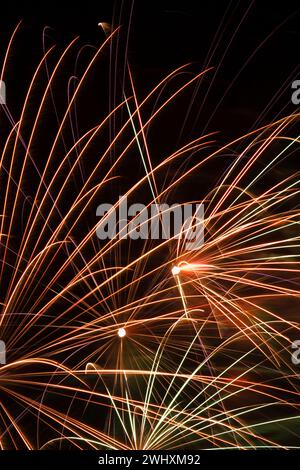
(140, 344)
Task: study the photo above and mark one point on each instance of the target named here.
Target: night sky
(252, 49)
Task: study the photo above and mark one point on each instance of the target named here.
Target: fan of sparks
(124, 344)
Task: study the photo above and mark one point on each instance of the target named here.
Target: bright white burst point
(121, 332)
(175, 270)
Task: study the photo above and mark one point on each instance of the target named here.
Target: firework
(124, 344)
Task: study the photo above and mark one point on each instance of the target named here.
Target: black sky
(257, 49)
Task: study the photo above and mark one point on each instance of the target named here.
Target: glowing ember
(121, 332)
(175, 270)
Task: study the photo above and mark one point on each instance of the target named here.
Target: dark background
(257, 48)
